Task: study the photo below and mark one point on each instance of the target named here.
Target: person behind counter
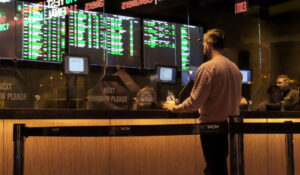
(274, 100)
(280, 94)
(290, 96)
(146, 99)
(216, 94)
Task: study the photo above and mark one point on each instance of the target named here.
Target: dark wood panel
(155, 155)
(60, 156)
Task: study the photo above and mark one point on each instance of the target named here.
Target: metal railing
(238, 128)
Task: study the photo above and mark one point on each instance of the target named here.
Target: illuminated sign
(94, 5)
(4, 27)
(134, 3)
(241, 7)
(5, 1)
(63, 10)
(54, 13)
(59, 3)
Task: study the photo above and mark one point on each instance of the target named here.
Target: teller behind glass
(273, 102)
(280, 96)
(290, 97)
(146, 98)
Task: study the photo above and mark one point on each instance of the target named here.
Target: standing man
(217, 95)
(289, 96)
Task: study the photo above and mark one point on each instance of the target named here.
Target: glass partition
(124, 40)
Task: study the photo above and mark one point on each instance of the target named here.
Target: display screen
(41, 36)
(123, 41)
(189, 49)
(246, 76)
(87, 33)
(166, 74)
(7, 30)
(187, 75)
(76, 65)
(159, 43)
(106, 38)
(172, 44)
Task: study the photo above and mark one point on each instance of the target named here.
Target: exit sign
(240, 7)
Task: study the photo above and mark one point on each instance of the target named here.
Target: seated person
(146, 98)
(290, 96)
(280, 94)
(274, 100)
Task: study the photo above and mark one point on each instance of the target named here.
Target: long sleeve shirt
(216, 92)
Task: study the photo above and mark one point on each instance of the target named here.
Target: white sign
(5, 1)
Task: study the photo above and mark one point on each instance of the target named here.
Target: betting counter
(176, 154)
(163, 154)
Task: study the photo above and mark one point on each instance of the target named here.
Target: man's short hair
(284, 77)
(216, 37)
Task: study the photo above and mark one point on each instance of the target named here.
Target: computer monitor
(186, 91)
(76, 65)
(166, 74)
(187, 75)
(247, 76)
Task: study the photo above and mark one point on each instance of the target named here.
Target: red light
(134, 3)
(94, 5)
(241, 7)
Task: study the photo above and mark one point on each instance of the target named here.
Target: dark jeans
(215, 151)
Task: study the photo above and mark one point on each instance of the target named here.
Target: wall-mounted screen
(159, 43)
(189, 49)
(247, 76)
(87, 35)
(107, 39)
(172, 44)
(41, 36)
(123, 41)
(7, 30)
(166, 74)
(76, 65)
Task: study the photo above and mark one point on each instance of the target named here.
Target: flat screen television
(76, 65)
(87, 33)
(159, 42)
(189, 49)
(124, 43)
(39, 36)
(247, 76)
(166, 74)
